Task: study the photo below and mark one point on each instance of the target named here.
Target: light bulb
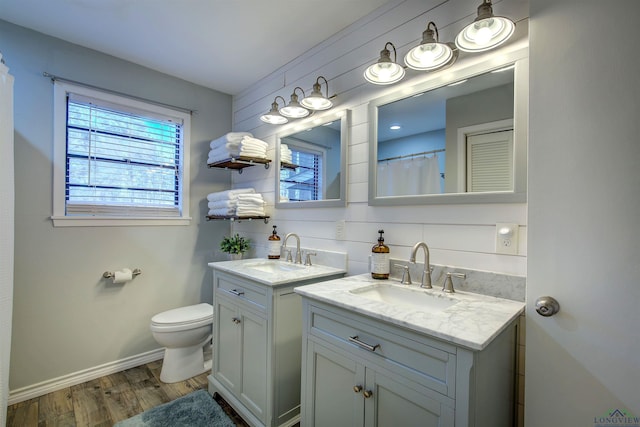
(484, 34)
(426, 55)
(384, 71)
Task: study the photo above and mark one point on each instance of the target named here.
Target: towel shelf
(237, 218)
(286, 165)
(239, 163)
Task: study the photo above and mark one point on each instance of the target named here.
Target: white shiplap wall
(458, 235)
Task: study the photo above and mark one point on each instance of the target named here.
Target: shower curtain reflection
(409, 176)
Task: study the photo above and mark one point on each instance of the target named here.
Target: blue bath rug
(197, 409)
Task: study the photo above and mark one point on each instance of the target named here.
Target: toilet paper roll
(122, 276)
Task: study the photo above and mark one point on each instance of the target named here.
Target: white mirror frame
(345, 122)
(520, 121)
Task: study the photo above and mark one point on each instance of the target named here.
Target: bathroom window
(305, 181)
(119, 161)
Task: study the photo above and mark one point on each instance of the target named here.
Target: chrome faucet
(425, 282)
(298, 254)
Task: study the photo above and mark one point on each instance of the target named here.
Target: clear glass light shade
(485, 34)
(428, 56)
(273, 116)
(384, 73)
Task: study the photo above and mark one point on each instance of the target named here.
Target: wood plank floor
(107, 400)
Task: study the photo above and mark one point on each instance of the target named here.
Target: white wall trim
(55, 384)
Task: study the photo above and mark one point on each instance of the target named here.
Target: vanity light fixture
(385, 71)
(316, 101)
(273, 116)
(294, 109)
(486, 31)
(431, 54)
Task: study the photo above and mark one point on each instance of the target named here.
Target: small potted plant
(235, 246)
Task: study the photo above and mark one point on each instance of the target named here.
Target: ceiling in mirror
(311, 164)
(463, 138)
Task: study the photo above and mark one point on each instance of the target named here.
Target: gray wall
(66, 318)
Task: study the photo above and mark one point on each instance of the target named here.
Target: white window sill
(65, 221)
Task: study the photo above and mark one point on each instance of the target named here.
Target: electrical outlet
(340, 229)
(507, 238)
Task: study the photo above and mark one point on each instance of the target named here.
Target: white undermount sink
(411, 297)
(275, 266)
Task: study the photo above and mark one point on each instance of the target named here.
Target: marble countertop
(282, 273)
(472, 322)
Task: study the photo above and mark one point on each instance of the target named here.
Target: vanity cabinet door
(333, 388)
(254, 363)
(391, 403)
(227, 367)
(241, 354)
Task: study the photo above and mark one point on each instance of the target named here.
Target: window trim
(61, 89)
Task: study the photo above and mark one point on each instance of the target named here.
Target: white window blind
(121, 161)
(303, 183)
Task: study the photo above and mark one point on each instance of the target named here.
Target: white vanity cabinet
(257, 346)
(360, 371)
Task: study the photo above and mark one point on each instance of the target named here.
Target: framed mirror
(460, 137)
(311, 161)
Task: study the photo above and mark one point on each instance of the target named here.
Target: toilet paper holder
(111, 274)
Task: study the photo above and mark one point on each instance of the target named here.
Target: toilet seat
(179, 319)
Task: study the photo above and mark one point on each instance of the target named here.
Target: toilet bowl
(185, 333)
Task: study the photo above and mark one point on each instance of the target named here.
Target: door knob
(547, 306)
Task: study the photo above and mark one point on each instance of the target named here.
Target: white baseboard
(40, 389)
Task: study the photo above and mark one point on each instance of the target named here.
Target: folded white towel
(250, 140)
(250, 212)
(223, 153)
(253, 153)
(229, 137)
(220, 158)
(247, 196)
(229, 194)
(250, 205)
(220, 204)
(286, 155)
(222, 212)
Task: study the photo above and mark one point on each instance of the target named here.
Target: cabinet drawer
(416, 357)
(241, 291)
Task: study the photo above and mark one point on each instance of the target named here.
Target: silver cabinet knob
(547, 306)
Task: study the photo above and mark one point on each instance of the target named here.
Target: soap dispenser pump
(380, 259)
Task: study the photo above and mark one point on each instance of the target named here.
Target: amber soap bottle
(274, 245)
(380, 259)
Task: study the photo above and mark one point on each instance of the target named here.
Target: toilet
(185, 333)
